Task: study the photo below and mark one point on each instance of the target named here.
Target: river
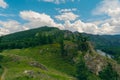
(103, 53)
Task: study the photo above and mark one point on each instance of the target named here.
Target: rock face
(36, 64)
(30, 73)
(95, 63)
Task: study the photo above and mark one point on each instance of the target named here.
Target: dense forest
(46, 35)
(34, 37)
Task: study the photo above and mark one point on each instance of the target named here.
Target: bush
(108, 73)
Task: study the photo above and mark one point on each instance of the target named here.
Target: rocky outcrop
(95, 63)
(30, 73)
(37, 64)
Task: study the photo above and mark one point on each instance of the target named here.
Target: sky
(85, 16)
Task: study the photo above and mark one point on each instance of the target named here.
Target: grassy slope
(17, 61)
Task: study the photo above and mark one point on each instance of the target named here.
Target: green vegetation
(82, 70)
(18, 61)
(49, 54)
(107, 43)
(1, 70)
(108, 73)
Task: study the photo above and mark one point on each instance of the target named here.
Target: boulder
(37, 64)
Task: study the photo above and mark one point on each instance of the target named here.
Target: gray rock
(39, 65)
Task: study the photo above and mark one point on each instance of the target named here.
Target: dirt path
(4, 73)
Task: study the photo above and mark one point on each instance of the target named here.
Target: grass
(1, 70)
(17, 62)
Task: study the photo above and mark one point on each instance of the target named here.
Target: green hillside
(107, 43)
(43, 64)
(52, 54)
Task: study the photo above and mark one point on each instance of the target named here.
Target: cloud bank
(35, 19)
(111, 8)
(57, 1)
(68, 20)
(3, 4)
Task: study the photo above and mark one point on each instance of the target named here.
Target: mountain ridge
(60, 51)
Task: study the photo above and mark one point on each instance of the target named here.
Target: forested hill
(48, 53)
(34, 37)
(28, 33)
(107, 43)
(28, 38)
(101, 41)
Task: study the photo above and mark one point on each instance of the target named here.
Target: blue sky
(94, 17)
(83, 7)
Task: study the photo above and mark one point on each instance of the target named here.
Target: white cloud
(7, 15)
(81, 27)
(34, 20)
(106, 28)
(3, 31)
(57, 1)
(10, 26)
(67, 16)
(110, 8)
(31, 16)
(38, 19)
(3, 4)
(66, 10)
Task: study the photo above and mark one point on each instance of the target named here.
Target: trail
(4, 73)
